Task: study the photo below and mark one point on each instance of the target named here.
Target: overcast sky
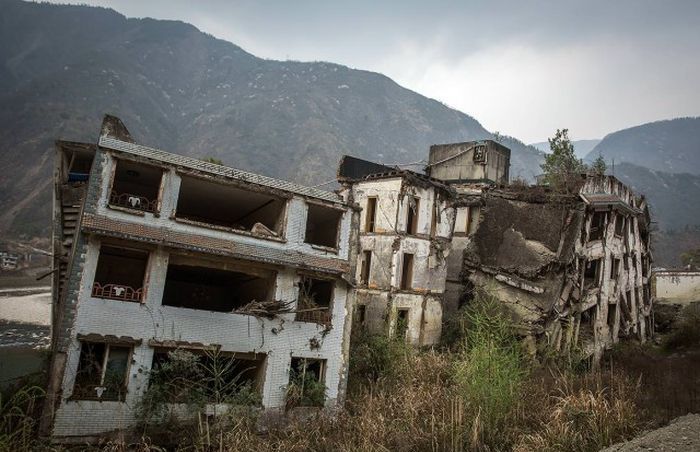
(524, 68)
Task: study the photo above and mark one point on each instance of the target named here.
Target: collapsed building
(405, 232)
(155, 252)
(572, 269)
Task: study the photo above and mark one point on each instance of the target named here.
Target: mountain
(673, 197)
(671, 146)
(62, 67)
(581, 147)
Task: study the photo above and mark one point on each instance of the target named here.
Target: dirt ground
(681, 435)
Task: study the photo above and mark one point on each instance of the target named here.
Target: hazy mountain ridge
(182, 90)
(581, 147)
(671, 146)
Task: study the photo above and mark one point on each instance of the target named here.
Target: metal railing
(131, 201)
(117, 292)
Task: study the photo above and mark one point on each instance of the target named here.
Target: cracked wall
(383, 295)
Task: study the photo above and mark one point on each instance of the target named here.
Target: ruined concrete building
(573, 269)
(156, 251)
(405, 231)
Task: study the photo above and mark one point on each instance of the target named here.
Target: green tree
(599, 166)
(561, 168)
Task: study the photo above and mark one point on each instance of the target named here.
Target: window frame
(121, 395)
(371, 220)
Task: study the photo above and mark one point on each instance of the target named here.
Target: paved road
(681, 435)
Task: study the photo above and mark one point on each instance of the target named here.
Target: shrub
(686, 331)
(376, 358)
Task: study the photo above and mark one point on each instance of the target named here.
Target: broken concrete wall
(573, 273)
(471, 161)
(388, 246)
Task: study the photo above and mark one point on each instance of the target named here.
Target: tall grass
(489, 370)
(18, 419)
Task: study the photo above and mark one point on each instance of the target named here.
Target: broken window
(192, 375)
(102, 372)
(597, 226)
(434, 218)
(322, 225)
(401, 328)
(136, 186)
(406, 272)
(226, 206)
(586, 333)
(366, 268)
(472, 218)
(620, 225)
(612, 316)
(371, 214)
(360, 314)
(120, 273)
(314, 303)
(76, 167)
(614, 268)
(412, 215)
(214, 289)
(306, 382)
(591, 275)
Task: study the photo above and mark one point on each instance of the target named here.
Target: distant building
(9, 261)
(676, 286)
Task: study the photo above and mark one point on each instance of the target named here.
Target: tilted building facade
(156, 252)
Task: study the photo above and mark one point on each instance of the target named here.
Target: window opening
(614, 268)
(597, 226)
(230, 207)
(612, 313)
(322, 225)
(366, 268)
(189, 375)
(620, 225)
(314, 302)
(360, 314)
(306, 382)
(401, 329)
(214, 289)
(136, 186)
(371, 214)
(591, 276)
(102, 372)
(412, 215)
(120, 274)
(406, 272)
(473, 213)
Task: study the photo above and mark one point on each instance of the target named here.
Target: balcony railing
(117, 292)
(308, 311)
(131, 201)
